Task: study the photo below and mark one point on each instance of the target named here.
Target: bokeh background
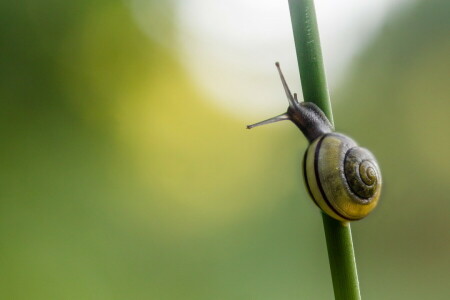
(127, 173)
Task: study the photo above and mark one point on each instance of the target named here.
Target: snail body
(343, 179)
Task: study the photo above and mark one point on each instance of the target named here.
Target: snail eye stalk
(293, 103)
(279, 118)
(292, 100)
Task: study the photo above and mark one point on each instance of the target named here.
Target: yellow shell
(343, 179)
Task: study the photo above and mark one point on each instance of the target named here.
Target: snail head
(307, 116)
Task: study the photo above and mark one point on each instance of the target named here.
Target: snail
(343, 179)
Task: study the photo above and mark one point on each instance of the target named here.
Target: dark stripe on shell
(306, 179)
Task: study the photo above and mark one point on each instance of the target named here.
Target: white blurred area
(229, 47)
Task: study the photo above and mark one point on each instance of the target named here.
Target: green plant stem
(312, 73)
(309, 54)
(342, 259)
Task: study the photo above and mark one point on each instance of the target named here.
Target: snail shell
(343, 179)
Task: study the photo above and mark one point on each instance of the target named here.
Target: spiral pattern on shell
(361, 172)
(343, 179)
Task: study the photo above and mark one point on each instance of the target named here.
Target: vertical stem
(309, 54)
(342, 259)
(312, 73)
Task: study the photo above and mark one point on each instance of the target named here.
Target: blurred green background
(120, 180)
